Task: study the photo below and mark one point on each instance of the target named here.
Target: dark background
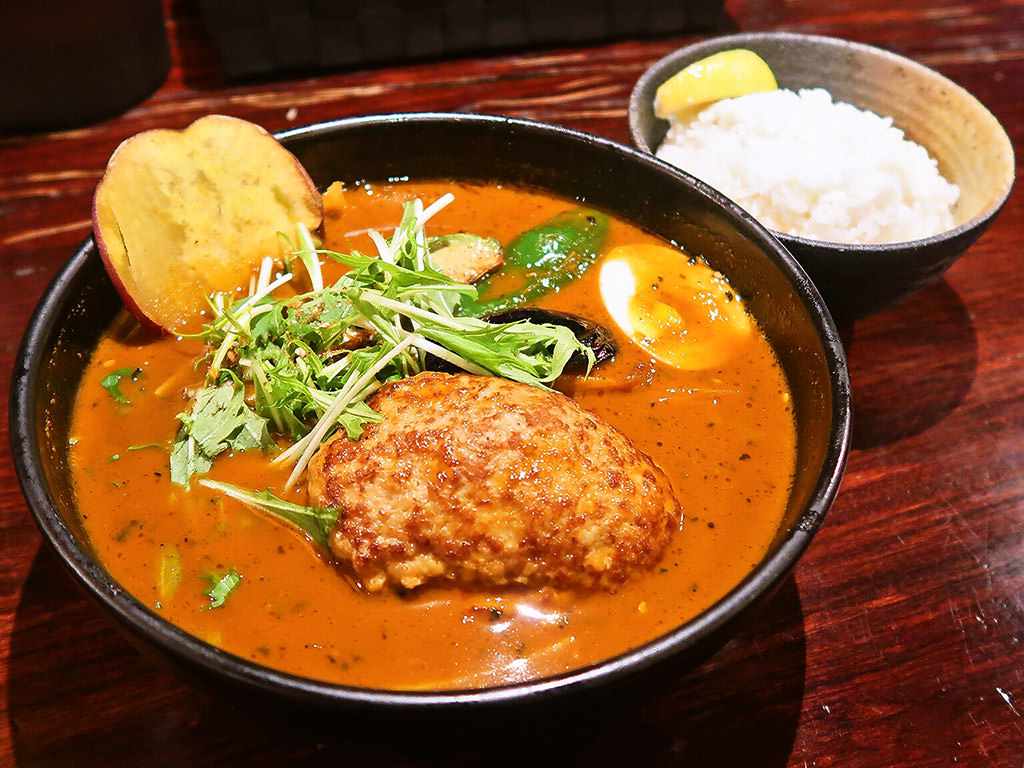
(897, 641)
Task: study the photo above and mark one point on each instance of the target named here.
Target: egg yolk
(677, 309)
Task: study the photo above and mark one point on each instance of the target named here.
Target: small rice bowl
(807, 166)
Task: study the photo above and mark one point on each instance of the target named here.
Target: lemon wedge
(722, 75)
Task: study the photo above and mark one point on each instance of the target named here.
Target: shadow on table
(925, 349)
(79, 694)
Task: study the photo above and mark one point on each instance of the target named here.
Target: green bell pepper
(548, 257)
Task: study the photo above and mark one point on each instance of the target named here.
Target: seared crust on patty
(480, 479)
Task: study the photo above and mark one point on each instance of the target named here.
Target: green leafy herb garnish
(221, 587)
(219, 420)
(308, 363)
(112, 382)
(317, 522)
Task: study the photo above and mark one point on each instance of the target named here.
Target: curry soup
(725, 437)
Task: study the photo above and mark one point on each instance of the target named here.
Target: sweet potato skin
(180, 215)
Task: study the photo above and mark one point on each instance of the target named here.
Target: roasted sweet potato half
(181, 215)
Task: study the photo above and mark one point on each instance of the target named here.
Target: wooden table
(898, 641)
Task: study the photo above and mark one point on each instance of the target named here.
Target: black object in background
(69, 63)
(268, 37)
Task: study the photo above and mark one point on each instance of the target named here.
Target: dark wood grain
(899, 640)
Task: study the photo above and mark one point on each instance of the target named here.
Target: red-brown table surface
(899, 640)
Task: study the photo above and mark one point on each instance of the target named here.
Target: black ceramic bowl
(971, 147)
(81, 302)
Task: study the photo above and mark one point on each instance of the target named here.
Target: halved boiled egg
(677, 309)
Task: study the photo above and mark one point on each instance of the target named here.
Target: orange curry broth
(725, 438)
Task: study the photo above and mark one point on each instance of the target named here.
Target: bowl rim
(656, 73)
(181, 646)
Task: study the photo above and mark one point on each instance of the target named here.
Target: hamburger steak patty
(480, 479)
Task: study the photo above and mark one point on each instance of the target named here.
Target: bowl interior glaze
(82, 302)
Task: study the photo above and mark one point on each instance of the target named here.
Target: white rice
(804, 165)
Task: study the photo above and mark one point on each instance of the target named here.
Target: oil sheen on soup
(723, 433)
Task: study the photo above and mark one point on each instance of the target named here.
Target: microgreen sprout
(286, 365)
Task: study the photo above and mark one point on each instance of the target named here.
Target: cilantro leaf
(219, 420)
(221, 587)
(112, 382)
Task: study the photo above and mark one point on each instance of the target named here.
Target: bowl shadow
(91, 699)
(929, 344)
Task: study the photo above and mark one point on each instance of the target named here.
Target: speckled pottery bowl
(971, 147)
